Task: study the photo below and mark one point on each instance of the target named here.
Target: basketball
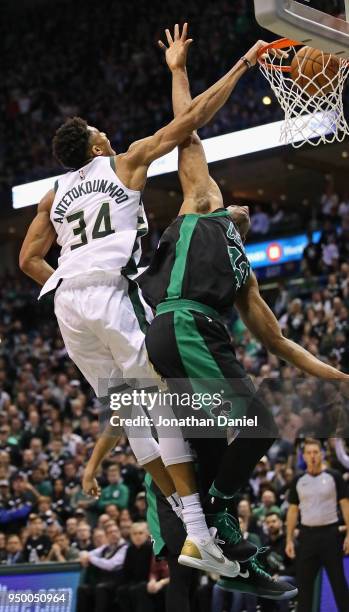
(315, 72)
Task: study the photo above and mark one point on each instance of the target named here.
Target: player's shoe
(254, 580)
(206, 556)
(231, 540)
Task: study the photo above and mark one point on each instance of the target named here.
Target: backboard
(321, 24)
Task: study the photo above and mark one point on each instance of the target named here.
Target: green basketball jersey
(200, 258)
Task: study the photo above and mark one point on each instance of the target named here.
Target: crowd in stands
(49, 424)
(101, 61)
(330, 215)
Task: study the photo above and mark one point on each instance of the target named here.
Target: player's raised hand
(256, 52)
(177, 49)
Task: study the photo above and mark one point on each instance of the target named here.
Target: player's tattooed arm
(262, 323)
(133, 165)
(200, 192)
(38, 241)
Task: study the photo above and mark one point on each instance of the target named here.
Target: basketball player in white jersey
(96, 215)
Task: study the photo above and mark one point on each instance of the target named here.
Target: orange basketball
(315, 72)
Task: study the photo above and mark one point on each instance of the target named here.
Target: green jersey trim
(139, 310)
(189, 223)
(180, 304)
(218, 213)
(112, 163)
(153, 519)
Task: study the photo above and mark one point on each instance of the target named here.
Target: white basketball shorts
(103, 320)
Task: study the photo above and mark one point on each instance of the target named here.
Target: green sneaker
(230, 538)
(254, 580)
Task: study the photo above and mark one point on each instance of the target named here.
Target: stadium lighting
(267, 100)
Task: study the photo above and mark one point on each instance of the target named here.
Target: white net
(313, 106)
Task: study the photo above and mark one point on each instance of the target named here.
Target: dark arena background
(100, 61)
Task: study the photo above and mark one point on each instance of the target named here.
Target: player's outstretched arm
(192, 165)
(105, 443)
(262, 323)
(37, 243)
(135, 162)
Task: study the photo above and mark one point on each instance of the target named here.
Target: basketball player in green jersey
(199, 270)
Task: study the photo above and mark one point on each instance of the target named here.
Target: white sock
(175, 502)
(194, 518)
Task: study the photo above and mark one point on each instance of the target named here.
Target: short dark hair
(13, 535)
(274, 513)
(312, 442)
(71, 142)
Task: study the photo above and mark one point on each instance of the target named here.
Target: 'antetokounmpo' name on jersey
(98, 186)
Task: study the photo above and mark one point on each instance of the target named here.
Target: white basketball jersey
(98, 221)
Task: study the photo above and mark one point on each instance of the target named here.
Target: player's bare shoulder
(130, 168)
(46, 202)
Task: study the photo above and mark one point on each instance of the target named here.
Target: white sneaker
(206, 556)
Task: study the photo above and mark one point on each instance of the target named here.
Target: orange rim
(282, 43)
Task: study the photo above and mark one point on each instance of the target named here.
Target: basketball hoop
(313, 103)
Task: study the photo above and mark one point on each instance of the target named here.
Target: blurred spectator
(113, 512)
(293, 320)
(343, 210)
(312, 256)
(131, 474)
(60, 501)
(116, 492)
(71, 529)
(82, 540)
(151, 596)
(139, 510)
(329, 200)
(9, 446)
(3, 554)
(288, 422)
(260, 222)
(37, 545)
(125, 524)
(12, 512)
(61, 550)
(248, 521)
(330, 254)
(39, 478)
(268, 504)
(14, 550)
(137, 565)
(276, 217)
(107, 562)
(275, 560)
(282, 300)
(99, 538)
(34, 429)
